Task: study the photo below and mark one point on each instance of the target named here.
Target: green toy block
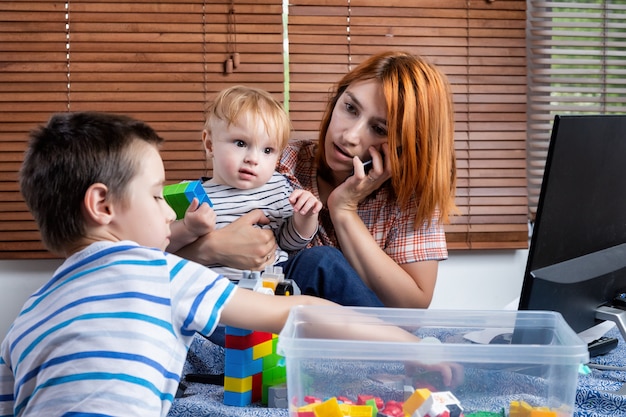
(179, 196)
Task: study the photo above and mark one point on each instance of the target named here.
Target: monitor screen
(577, 256)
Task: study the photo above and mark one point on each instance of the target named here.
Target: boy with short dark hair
(109, 333)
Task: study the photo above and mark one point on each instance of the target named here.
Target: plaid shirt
(391, 227)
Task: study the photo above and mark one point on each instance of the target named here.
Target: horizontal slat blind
(577, 65)
(480, 46)
(146, 60)
(159, 61)
(33, 84)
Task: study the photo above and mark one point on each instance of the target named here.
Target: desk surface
(597, 394)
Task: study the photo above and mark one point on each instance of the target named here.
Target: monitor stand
(614, 314)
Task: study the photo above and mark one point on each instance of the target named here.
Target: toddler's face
(244, 154)
(145, 217)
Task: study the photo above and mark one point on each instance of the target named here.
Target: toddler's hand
(199, 218)
(305, 203)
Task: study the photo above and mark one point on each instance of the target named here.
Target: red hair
(420, 122)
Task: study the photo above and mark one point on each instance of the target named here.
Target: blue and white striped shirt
(108, 334)
(272, 198)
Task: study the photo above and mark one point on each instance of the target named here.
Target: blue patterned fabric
(596, 394)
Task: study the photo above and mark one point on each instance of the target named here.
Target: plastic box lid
(537, 337)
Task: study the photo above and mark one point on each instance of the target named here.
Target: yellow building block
(360, 410)
(542, 412)
(305, 410)
(329, 408)
(421, 398)
(270, 283)
(520, 409)
(237, 384)
(262, 349)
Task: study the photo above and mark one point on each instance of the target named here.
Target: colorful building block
(251, 366)
(277, 396)
(445, 403)
(335, 407)
(306, 410)
(419, 403)
(360, 410)
(252, 354)
(392, 409)
(329, 408)
(502, 413)
(270, 281)
(376, 402)
(523, 409)
(179, 196)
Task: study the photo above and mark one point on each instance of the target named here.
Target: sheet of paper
(596, 331)
(485, 336)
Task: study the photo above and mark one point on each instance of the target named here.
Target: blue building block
(239, 399)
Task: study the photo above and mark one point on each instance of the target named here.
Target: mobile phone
(367, 165)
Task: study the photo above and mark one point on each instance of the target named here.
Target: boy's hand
(305, 203)
(199, 218)
(442, 376)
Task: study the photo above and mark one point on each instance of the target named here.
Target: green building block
(179, 196)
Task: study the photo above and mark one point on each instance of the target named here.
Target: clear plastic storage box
(509, 363)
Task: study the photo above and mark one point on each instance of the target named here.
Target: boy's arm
(257, 311)
(198, 221)
(267, 313)
(6, 389)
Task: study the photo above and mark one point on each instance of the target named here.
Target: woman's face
(358, 121)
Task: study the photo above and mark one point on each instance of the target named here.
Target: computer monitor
(577, 257)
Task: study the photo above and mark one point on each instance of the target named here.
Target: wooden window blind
(161, 61)
(480, 45)
(576, 66)
(32, 85)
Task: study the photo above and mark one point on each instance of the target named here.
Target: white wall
(18, 280)
(470, 280)
(480, 280)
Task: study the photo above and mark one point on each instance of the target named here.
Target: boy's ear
(98, 207)
(207, 142)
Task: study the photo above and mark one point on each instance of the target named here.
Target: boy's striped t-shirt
(109, 333)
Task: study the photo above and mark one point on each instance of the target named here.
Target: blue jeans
(324, 272)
